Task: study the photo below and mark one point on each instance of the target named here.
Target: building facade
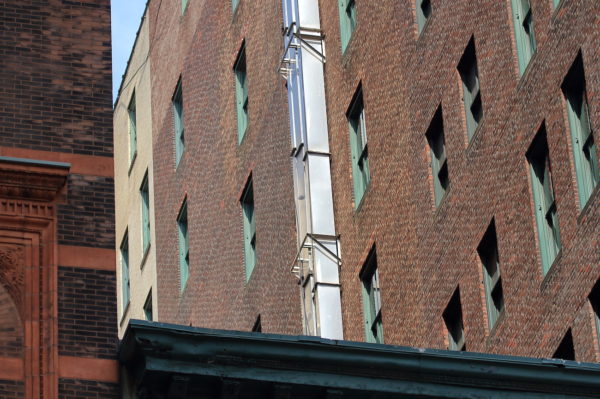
(58, 335)
(449, 147)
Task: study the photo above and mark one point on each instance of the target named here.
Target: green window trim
(347, 10)
(492, 280)
(234, 4)
(358, 147)
(454, 323)
(582, 135)
(241, 93)
(125, 280)
(546, 214)
(524, 32)
(178, 120)
(148, 313)
(184, 4)
(145, 200)
(469, 74)
(439, 162)
(131, 111)
(371, 293)
(423, 13)
(555, 3)
(249, 222)
(184, 246)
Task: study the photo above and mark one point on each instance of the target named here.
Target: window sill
(145, 256)
(552, 270)
(363, 199)
(438, 208)
(495, 327)
(523, 78)
(422, 33)
(347, 52)
(556, 11)
(588, 205)
(131, 163)
(124, 315)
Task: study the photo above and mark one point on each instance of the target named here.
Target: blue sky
(126, 16)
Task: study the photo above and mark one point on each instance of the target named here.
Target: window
(132, 129)
(241, 93)
(372, 299)
(582, 137)
(439, 163)
(467, 67)
(595, 302)
(145, 197)
(234, 4)
(257, 325)
(125, 288)
(247, 202)
(178, 122)
(524, 33)
(148, 307)
(454, 323)
(555, 3)
(423, 13)
(358, 147)
(543, 197)
(184, 247)
(492, 281)
(347, 21)
(184, 4)
(566, 349)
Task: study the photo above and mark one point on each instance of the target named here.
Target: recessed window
(257, 325)
(241, 93)
(132, 128)
(125, 285)
(148, 315)
(439, 163)
(178, 122)
(247, 203)
(184, 247)
(566, 349)
(347, 10)
(423, 13)
(543, 198)
(524, 33)
(454, 323)
(492, 280)
(358, 147)
(582, 137)
(372, 299)
(467, 67)
(595, 302)
(145, 199)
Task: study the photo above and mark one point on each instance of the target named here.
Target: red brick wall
(202, 46)
(424, 253)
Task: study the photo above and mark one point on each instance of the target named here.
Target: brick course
(87, 322)
(85, 389)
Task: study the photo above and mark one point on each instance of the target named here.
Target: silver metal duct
(318, 260)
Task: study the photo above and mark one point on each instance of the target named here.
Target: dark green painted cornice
(150, 349)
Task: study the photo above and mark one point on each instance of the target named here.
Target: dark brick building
(470, 221)
(57, 279)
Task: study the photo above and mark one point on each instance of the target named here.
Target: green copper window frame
(178, 122)
(125, 279)
(546, 214)
(359, 149)
(439, 162)
(132, 116)
(453, 320)
(184, 4)
(249, 226)
(347, 11)
(524, 32)
(241, 93)
(183, 246)
(145, 206)
(371, 293)
(492, 279)
(424, 11)
(467, 68)
(582, 135)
